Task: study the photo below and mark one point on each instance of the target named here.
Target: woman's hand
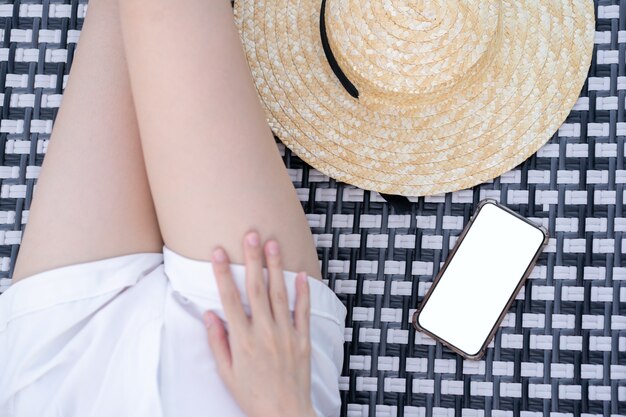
(264, 360)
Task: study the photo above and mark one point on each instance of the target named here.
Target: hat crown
(411, 48)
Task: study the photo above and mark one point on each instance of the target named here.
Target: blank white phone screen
(480, 279)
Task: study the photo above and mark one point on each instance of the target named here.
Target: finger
(255, 284)
(278, 289)
(229, 293)
(218, 341)
(302, 311)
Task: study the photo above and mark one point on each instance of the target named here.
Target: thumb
(218, 341)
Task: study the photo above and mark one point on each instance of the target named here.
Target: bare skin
(264, 359)
(92, 199)
(214, 168)
(161, 139)
(205, 169)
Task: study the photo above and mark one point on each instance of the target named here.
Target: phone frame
(533, 261)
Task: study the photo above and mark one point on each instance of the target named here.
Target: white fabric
(123, 336)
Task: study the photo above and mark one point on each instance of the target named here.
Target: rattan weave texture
(561, 350)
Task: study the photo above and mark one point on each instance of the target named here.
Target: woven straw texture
(483, 84)
(561, 350)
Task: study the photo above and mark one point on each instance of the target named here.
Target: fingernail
(302, 277)
(219, 255)
(253, 239)
(272, 247)
(208, 319)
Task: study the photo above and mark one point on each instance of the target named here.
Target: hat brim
(465, 138)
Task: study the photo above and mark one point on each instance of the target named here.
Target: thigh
(92, 199)
(214, 168)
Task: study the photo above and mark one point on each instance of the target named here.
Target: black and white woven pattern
(561, 350)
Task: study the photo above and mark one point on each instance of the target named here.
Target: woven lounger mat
(561, 350)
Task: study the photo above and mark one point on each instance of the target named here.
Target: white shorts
(124, 336)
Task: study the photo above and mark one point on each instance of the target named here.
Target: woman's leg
(92, 199)
(214, 168)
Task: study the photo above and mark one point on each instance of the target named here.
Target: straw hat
(435, 95)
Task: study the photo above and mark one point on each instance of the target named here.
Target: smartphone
(479, 280)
